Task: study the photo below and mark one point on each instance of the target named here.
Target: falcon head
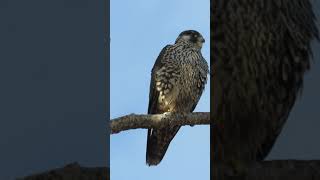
(192, 37)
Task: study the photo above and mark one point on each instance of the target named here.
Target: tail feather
(158, 141)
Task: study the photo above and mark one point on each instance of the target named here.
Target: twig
(135, 121)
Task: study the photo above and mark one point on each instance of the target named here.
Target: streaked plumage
(260, 52)
(177, 81)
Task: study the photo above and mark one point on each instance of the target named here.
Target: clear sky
(139, 30)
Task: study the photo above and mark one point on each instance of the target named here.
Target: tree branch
(265, 170)
(135, 121)
(279, 170)
(72, 171)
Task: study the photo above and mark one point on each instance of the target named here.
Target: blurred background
(52, 92)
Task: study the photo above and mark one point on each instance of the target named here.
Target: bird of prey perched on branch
(260, 52)
(177, 81)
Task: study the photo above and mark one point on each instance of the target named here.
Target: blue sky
(139, 30)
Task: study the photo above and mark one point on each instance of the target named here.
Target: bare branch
(72, 171)
(277, 170)
(266, 170)
(135, 121)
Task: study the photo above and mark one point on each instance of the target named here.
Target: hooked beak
(201, 39)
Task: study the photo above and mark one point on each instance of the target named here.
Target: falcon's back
(261, 50)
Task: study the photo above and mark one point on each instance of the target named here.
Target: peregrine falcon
(177, 81)
(260, 53)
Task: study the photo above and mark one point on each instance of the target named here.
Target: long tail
(158, 141)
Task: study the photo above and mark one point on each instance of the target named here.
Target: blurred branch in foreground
(279, 170)
(72, 171)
